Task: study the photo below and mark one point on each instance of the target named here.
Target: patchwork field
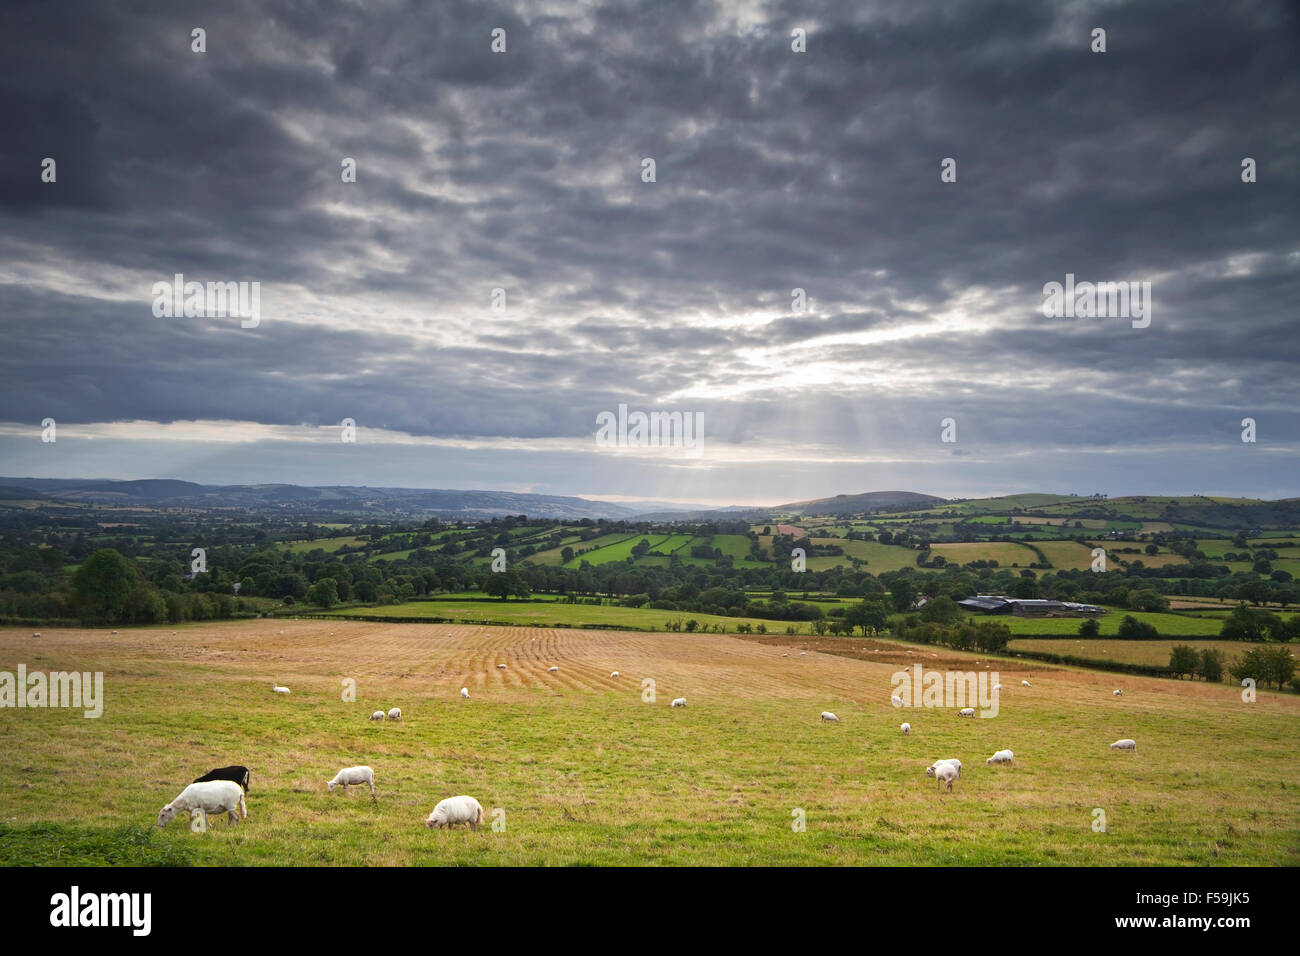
(587, 772)
(1131, 652)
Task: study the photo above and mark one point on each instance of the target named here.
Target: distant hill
(861, 503)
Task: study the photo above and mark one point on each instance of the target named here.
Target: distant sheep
(1025, 683)
(353, 777)
(278, 689)
(997, 686)
(551, 670)
(785, 655)
(377, 715)
(1002, 756)
(827, 715)
(678, 702)
(501, 667)
(464, 692)
(395, 713)
(803, 653)
(37, 634)
(613, 673)
(896, 701)
(453, 810)
(235, 774)
(966, 712)
(905, 728)
(1117, 693)
(1125, 744)
(213, 796)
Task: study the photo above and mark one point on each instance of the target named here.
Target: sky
(919, 358)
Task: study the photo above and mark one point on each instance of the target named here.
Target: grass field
(1174, 625)
(1066, 555)
(1005, 553)
(585, 772)
(1130, 652)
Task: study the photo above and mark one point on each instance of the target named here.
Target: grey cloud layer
(775, 170)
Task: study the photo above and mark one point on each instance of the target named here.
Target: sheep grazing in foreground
(552, 670)
(1025, 683)
(278, 689)
(678, 702)
(906, 728)
(1117, 693)
(613, 673)
(1002, 756)
(395, 713)
(377, 715)
(1125, 744)
(454, 810)
(946, 773)
(353, 777)
(213, 796)
(235, 774)
(827, 715)
(966, 712)
(464, 692)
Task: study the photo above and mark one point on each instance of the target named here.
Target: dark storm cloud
(775, 171)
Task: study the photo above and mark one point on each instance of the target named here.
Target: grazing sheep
(966, 712)
(1025, 683)
(827, 715)
(37, 634)
(213, 796)
(551, 670)
(1125, 744)
(946, 773)
(953, 761)
(377, 715)
(464, 692)
(906, 728)
(997, 686)
(785, 655)
(803, 653)
(1117, 693)
(395, 713)
(453, 810)
(678, 702)
(354, 777)
(501, 667)
(613, 673)
(1002, 756)
(278, 689)
(235, 774)
(896, 701)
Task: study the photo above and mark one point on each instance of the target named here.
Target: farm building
(1028, 607)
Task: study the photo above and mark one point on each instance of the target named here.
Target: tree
(1183, 660)
(506, 584)
(1211, 665)
(868, 615)
(903, 594)
(101, 585)
(324, 593)
(1132, 629)
(1267, 665)
(1089, 628)
(942, 610)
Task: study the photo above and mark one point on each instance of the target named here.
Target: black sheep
(236, 774)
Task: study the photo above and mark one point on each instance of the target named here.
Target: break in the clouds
(774, 170)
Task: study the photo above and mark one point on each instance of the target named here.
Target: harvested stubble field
(588, 773)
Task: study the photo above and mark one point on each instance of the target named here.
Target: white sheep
(1025, 683)
(212, 796)
(501, 667)
(464, 692)
(1117, 693)
(613, 673)
(453, 810)
(678, 702)
(803, 653)
(552, 670)
(1125, 744)
(1002, 756)
(37, 634)
(785, 655)
(377, 715)
(353, 777)
(951, 761)
(966, 712)
(395, 713)
(946, 773)
(278, 689)
(906, 728)
(997, 686)
(896, 701)
(827, 715)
